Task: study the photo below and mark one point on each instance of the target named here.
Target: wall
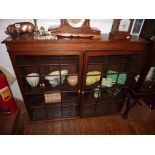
(103, 24)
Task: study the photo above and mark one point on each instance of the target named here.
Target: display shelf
(117, 83)
(65, 87)
(47, 98)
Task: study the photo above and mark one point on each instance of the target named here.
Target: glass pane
(115, 58)
(69, 59)
(52, 97)
(128, 67)
(35, 99)
(69, 98)
(89, 98)
(93, 79)
(39, 114)
(70, 111)
(49, 59)
(31, 84)
(131, 58)
(72, 69)
(137, 26)
(70, 83)
(45, 70)
(113, 67)
(88, 110)
(26, 60)
(29, 71)
(102, 108)
(96, 59)
(54, 112)
(94, 67)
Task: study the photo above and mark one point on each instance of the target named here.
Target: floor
(7, 122)
(105, 125)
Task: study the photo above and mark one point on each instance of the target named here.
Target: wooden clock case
(85, 31)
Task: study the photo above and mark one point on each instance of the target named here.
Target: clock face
(75, 22)
(124, 25)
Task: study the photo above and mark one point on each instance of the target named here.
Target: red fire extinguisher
(7, 103)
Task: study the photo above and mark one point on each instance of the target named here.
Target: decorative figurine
(18, 29)
(41, 34)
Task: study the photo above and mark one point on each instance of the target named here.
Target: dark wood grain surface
(104, 125)
(8, 123)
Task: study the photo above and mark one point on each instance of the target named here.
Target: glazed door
(106, 78)
(50, 85)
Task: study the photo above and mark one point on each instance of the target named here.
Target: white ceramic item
(54, 77)
(32, 79)
(72, 80)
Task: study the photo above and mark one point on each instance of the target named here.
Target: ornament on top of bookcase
(121, 29)
(79, 28)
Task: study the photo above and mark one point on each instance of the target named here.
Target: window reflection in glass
(137, 26)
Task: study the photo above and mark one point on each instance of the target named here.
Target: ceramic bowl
(72, 80)
(32, 79)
